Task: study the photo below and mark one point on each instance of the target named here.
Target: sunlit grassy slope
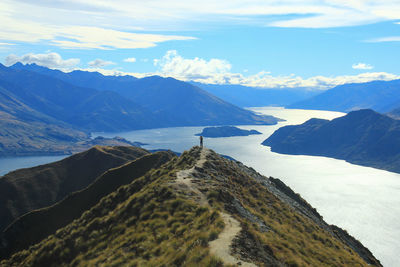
(154, 222)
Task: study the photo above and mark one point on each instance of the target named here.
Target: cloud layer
(50, 60)
(217, 71)
(175, 14)
(175, 65)
(20, 23)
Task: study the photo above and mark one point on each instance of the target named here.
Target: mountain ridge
(381, 96)
(173, 102)
(27, 189)
(174, 213)
(362, 137)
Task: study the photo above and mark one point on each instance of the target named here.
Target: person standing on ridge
(201, 141)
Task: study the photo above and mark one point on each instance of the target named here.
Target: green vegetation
(292, 238)
(25, 190)
(155, 221)
(143, 223)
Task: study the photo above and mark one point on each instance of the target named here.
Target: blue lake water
(10, 164)
(364, 201)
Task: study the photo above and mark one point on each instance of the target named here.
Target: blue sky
(289, 43)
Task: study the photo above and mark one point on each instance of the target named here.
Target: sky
(261, 43)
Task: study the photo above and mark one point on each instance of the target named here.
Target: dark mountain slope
(13, 108)
(173, 102)
(25, 190)
(72, 207)
(24, 130)
(85, 108)
(177, 214)
(186, 105)
(381, 96)
(362, 137)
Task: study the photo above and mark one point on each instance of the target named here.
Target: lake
(362, 200)
(13, 163)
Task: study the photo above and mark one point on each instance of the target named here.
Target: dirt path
(220, 247)
(185, 177)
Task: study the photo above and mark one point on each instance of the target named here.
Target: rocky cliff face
(199, 209)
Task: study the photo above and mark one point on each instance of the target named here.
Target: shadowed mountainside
(381, 96)
(174, 214)
(85, 108)
(36, 132)
(28, 230)
(361, 137)
(170, 101)
(49, 112)
(24, 190)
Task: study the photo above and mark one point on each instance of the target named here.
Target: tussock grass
(145, 223)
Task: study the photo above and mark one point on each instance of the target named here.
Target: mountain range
(162, 102)
(381, 96)
(46, 111)
(154, 209)
(362, 137)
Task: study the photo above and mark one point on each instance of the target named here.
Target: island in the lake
(225, 131)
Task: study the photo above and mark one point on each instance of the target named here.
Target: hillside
(24, 130)
(196, 210)
(225, 131)
(172, 102)
(381, 96)
(87, 109)
(24, 190)
(361, 137)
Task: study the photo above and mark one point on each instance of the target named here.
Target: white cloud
(384, 39)
(20, 23)
(362, 66)
(99, 63)
(175, 65)
(110, 24)
(130, 60)
(217, 71)
(50, 60)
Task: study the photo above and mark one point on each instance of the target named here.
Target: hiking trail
(221, 246)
